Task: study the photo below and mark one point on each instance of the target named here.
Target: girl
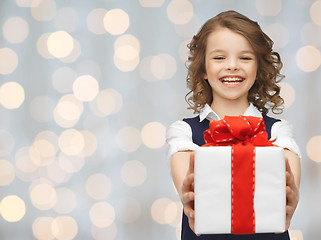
(233, 71)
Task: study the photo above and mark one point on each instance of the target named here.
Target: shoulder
(283, 132)
(192, 120)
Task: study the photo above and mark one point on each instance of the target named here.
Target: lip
(235, 80)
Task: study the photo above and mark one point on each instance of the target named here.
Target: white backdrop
(87, 89)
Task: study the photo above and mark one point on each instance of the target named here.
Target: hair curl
(265, 93)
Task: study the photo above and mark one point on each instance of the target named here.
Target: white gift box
(213, 190)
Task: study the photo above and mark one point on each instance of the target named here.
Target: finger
(188, 183)
(187, 197)
(290, 180)
(189, 211)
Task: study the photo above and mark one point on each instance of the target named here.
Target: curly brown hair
(265, 93)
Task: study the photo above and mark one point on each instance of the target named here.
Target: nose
(232, 65)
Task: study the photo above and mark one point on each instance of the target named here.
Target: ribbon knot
(236, 129)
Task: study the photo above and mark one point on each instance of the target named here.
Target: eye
(219, 58)
(246, 58)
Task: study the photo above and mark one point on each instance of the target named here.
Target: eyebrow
(243, 52)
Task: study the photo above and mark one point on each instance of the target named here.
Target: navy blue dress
(187, 234)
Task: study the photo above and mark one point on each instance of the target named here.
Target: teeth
(232, 80)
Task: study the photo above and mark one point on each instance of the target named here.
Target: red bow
(242, 133)
(232, 130)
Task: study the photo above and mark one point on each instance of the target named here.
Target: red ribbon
(243, 133)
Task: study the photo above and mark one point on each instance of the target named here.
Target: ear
(205, 76)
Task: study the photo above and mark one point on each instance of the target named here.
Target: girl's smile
(232, 81)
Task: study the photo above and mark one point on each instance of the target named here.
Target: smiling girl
(232, 71)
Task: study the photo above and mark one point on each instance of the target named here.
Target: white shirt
(179, 133)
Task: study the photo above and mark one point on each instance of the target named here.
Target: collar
(208, 113)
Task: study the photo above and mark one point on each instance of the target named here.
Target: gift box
(239, 180)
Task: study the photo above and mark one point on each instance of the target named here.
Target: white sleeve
(179, 137)
(282, 131)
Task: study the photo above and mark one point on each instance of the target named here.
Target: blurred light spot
(151, 3)
(63, 78)
(95, 21)
(12, 208)
(60, 44)
(126, 65)
(180, 11)
(43, 10)
(85, 88)
(12, 95)
(133, 173)
(126, 53)
(50, 137)
(311, 34)
(90, 143)
(183, 50)
(314, 148)
(68, 111)
(116, 21)
(127, 40)
(7, 172)
(42, 152)
(128, 139)
(8, 61)
(89, 67)
(15, 30)
(66, 201)
(98, 186)
(64, 227)
(308, 58)
(101, 233)
(128, 210)
(279, 34)
(25, 3)
(71, 142)
(287, 93)
(315, 10)
(269, 7)
(153, 135)
(41, 108)
(75, 53)
(107, 102)
(57, 174)
(173, 213)
(6, 142)
(158, 210)
(126, 57)
(43, 196)
(24, 162)
(41, 228)
(42, 46)
(67, 19)
(163, 66)
(71, 164)
(295, 235)
(102, 214)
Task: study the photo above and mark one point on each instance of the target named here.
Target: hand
(292, 194)
(187, 194)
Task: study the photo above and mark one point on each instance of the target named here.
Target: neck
(229, 108)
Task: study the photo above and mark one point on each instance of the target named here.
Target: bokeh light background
(87, 90)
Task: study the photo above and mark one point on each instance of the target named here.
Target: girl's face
(231, 65)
